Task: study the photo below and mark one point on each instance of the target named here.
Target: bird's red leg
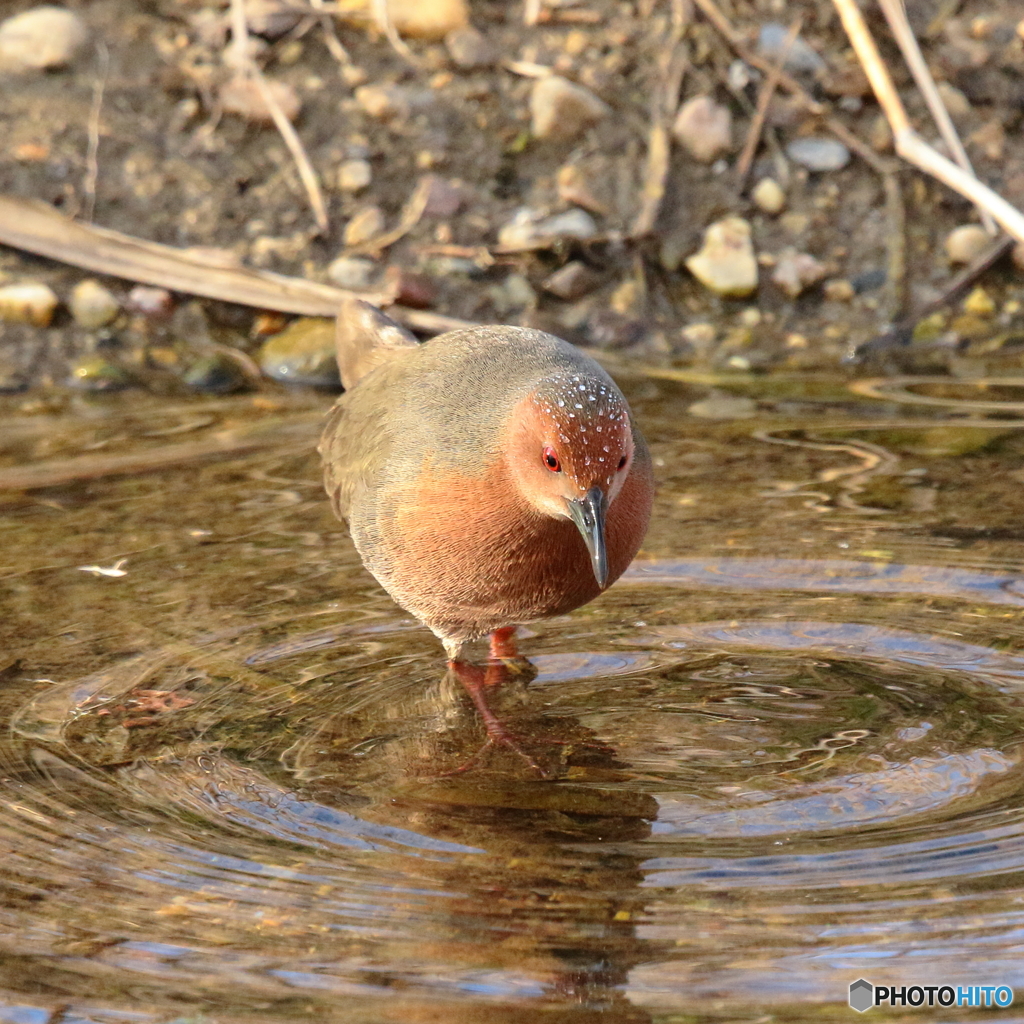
(476, 681)
(503, 644)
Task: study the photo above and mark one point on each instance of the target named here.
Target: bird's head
(570, 451)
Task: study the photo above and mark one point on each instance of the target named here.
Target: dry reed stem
(246, 66)
(764, 98)
(907, 142)
(896, 15)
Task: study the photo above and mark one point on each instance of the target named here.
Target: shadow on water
(785, 752)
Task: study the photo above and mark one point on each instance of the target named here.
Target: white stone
(40, 38)
(726, 263)
(704, 127)
(561, 110)
(528, 229)
(818, 154)
(768, 196)
(796, 271)
(964, 243)
(92, 305)
(427, 19)
(30, 302)
(354, 175)
(353, 272)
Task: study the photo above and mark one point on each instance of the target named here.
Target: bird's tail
(364, 338)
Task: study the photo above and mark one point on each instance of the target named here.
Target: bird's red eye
(551, 460)
(622, 461)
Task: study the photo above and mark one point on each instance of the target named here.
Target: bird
(491, 476)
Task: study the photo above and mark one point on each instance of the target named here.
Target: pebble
(839, 290)
(271, 19)
(94, 373)
(216, 374)
(41, 38)
(355, 272)
(364, 225)
(725, 407)
(303, 353)
(979, 303)
(92, 305)
(428, 19)
(572, 281)
(410, 288)
(574, 186)
(964, 243)
(608, 330)
(383, 102)
(561, 110)
(31, 302)
(957, 105)
(801, 56)
(514, 293)
(700, 335)
(529, 229)
(726, 263)
(768, 196)
(354, 175)
(704, 128)
(470, 49)
(795, 272)
(244, 97)
(443, 198)
(818, 154)
(147, 301)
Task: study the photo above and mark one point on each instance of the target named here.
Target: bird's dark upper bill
(588, 515)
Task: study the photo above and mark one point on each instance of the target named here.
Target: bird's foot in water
(476, 680)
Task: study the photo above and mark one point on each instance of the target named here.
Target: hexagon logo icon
(862, 995)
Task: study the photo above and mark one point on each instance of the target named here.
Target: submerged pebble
(94, 373)
(303, 353)
(216, 374)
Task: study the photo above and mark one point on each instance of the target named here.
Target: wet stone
(41, 38)
(92, 305)
(303, 353)
(561, 110)
(704, 128)
(216, 374)
(818, 154)
(30, 302)
(726, 263)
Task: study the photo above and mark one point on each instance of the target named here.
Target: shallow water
(783, 753)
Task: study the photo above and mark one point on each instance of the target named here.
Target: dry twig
(246, 66)
(896, 15)
(764, 98)
(92, 165)
(908, 143)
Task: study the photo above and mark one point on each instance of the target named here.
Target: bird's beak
(588, 515)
